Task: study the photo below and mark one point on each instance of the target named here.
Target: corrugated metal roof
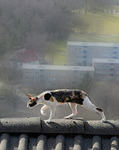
(34, 134)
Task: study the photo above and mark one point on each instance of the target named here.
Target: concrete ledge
(35, 125)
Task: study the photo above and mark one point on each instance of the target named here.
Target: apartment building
(82, 53)
(55, 76)
(100, 60)
(106, 69)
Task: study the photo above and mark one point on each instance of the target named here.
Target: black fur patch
(36, 98)
(47, 96)
(32, 104)
(99, 109)
(72, 96)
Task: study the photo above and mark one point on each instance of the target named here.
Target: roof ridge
(56, 126)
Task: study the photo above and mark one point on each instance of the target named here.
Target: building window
(84, 51)
(84, 56)
(115, 52)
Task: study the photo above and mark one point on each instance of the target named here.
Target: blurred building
(23, 56)
(82, 53)
(100, 60)
(106, 69)
(55, 76)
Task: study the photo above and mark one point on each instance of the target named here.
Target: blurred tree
(99, 5)
(86, 83)
(29, 24)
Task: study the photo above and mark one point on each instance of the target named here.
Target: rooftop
(28, 56)
(60, 134)
(93, 44)
(58, 67)
(105, 60)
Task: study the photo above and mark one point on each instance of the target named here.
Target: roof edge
(62, 126)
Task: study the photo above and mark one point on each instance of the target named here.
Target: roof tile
(96, 143)
(37, 138)
(4, 139)
(41, 142)
(114, 143)
(97, 127)
(60, 140)
(23, 142)
(61, 126)
(78, 140)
